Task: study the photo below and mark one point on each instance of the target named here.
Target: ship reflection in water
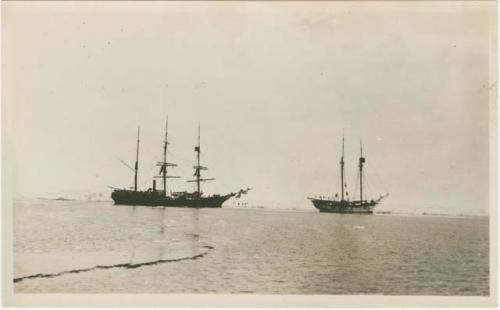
(95, 247)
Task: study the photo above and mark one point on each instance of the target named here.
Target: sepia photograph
(249, 153)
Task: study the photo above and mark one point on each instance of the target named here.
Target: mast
(199, 167)
(342, 169)
(361, 162)
(165, 143)
(136, 159)
(164, 164)
(198, 170)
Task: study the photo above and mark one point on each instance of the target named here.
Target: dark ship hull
(157, 199)
(336, 206)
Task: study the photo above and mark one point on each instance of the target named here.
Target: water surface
(96, 247)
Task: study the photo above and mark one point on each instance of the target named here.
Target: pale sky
(273, 85)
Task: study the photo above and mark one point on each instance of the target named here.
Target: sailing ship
(344, 205)
(155, 197)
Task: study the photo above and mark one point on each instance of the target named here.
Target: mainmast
(136, 160)
(165, 145)
(199, 167)
(342, 169)
(361, 162)
(164, 164)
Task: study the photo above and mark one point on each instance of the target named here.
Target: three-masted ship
(155, 197)
(344, 204)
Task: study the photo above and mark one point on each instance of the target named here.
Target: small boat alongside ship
(344, 204)
(155, 197)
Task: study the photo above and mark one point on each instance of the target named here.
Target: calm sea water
(95, 247)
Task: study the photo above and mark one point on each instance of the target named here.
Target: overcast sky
(273, 85)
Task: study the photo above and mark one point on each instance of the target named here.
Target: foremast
(362, 160)
(164, 164)
(136, 167)
(199, 167)
(342, 170)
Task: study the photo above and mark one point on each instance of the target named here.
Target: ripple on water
(255, 251)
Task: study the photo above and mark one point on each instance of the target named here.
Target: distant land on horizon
(384, 208)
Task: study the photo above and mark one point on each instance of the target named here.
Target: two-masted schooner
(154, 197)
(344, 204)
